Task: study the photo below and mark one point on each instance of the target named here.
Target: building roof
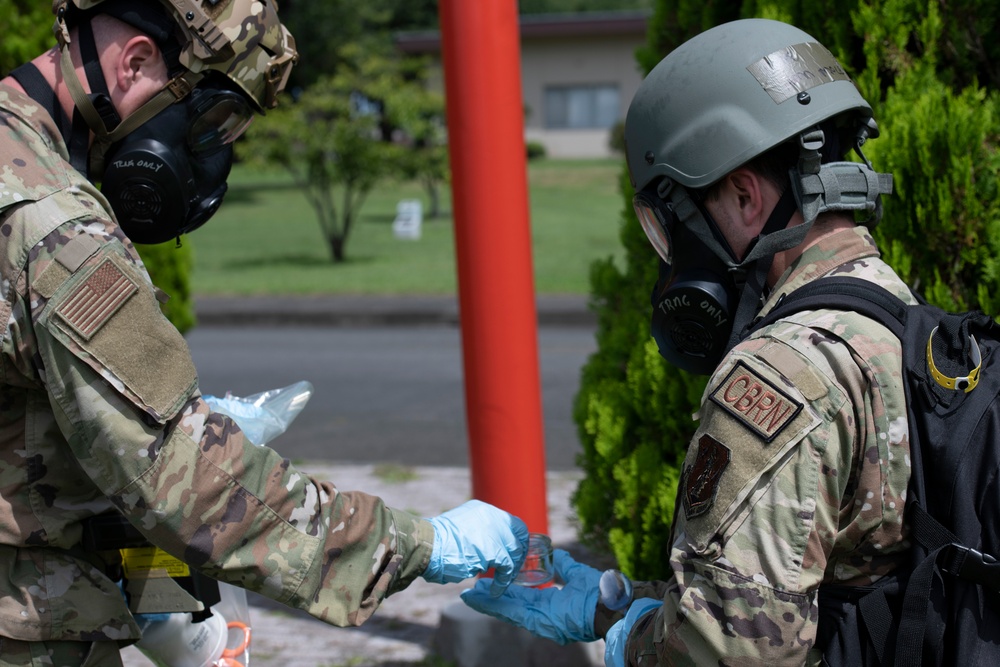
(532, 26)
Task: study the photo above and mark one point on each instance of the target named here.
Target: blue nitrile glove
(563, 615)
(614, 649)
(473, 538)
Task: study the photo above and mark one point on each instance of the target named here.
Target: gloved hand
(614, 650)
(563, 615)
(473, 538)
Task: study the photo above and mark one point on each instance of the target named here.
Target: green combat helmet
(738, 90)
(730, 94)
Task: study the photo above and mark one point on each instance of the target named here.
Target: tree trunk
(337, 245)
(435, 200)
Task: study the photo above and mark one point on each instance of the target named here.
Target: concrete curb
(369, 310)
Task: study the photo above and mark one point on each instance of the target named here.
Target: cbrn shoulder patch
(748, 420)
(755, 402)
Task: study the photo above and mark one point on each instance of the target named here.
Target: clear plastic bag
(233, 607)
(266, 415)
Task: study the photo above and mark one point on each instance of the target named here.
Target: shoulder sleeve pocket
(753, 417)
(107, 315)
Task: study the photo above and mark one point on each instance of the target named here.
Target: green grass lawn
(265, 238)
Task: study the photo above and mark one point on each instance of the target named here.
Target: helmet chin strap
(106, 125)
(757, 265)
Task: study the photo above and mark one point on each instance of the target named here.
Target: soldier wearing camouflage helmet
(797, 473)
(101, 414)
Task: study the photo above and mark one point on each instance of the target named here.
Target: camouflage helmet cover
(242, 39)
(728, 95)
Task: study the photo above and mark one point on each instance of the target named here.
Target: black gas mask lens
(218, 119)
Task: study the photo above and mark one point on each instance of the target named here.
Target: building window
(581, 107)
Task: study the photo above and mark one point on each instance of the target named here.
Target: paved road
(383, 393)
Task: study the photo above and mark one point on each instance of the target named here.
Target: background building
(578, 74)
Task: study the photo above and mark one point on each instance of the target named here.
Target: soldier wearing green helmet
(107, 443)
(737, 144)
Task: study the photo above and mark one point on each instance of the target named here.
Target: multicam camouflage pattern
(243, 39)
(100, 410)
(809, 496)
(15, 653)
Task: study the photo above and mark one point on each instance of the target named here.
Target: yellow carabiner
(962, 383)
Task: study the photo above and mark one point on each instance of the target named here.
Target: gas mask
(163, 168)
(168, 176)
(695, 297)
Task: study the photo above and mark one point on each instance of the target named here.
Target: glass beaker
(537, 569)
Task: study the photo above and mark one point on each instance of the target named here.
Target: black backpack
(943, 606)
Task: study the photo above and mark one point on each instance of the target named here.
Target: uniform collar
(843, 247)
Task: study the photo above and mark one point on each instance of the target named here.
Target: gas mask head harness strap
(96, 108)
(706, 297)
(163, 168)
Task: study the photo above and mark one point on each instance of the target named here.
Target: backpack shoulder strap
(843, 293)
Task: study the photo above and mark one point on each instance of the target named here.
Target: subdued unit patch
(100, 296)
(755, 402)
(701, 479)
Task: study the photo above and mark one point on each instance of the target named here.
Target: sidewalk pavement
(402, 632)
(371, 310)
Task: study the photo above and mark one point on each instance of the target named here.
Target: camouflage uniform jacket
(796, 476)
(100, 410)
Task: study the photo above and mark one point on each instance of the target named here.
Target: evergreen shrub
(169, 267)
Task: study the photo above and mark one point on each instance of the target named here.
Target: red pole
(482, 74)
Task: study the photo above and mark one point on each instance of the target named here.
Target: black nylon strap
(750, 297)
(850, 294)
(92, 61)
(877, 617)
(914, 614)
(75, 134)
(100, 96)
(38, 89)
(79, 143)
(927, 530)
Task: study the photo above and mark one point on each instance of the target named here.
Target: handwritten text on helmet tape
(795, 69)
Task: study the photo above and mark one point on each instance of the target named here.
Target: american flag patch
(97, 299)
